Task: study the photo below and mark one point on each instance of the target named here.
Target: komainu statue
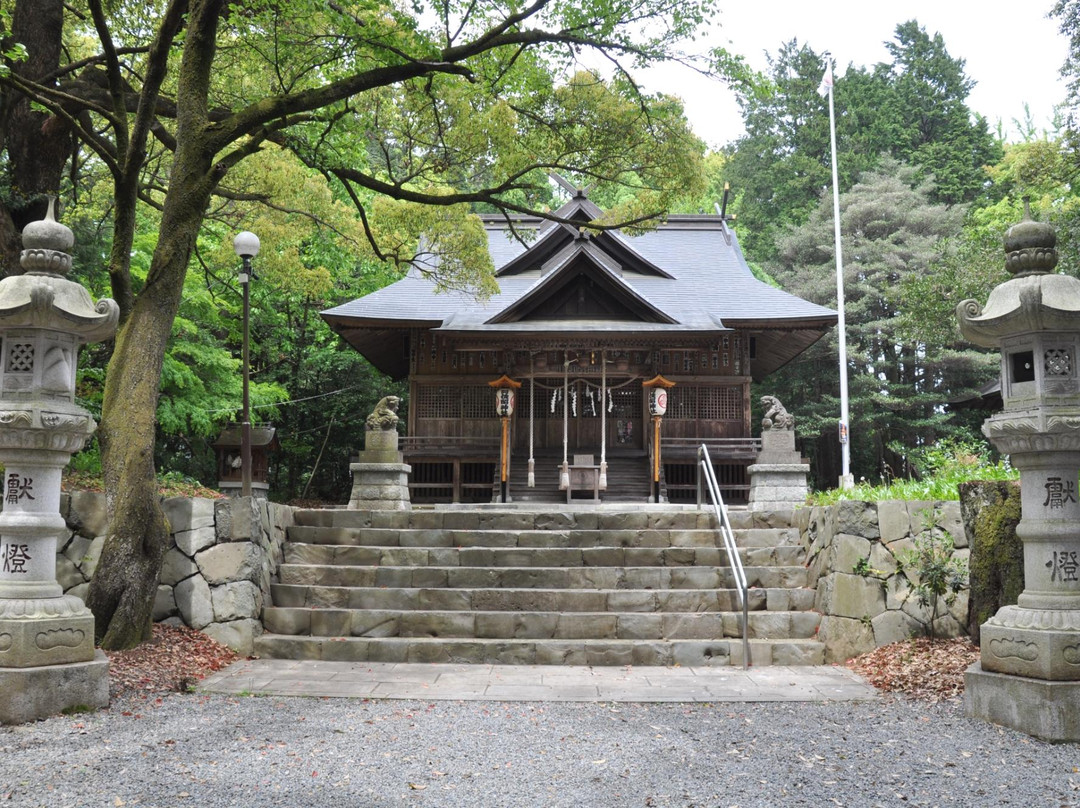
(384, 416)
(775, 414)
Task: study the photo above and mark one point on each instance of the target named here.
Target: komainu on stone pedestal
(384, 416)
(778, 478)
(380, 478)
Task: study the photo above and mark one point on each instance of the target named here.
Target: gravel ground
(196, 750)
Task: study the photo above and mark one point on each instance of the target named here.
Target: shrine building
(587, 323)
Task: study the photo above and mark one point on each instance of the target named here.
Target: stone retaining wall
(216, 574)
(865, 599)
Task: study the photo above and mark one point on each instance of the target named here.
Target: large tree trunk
(122, 591)
(37, 144)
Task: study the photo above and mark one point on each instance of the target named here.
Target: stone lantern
(47, 657)
(1028, 676)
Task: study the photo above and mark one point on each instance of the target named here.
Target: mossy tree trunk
(991, 512)
(122, 591)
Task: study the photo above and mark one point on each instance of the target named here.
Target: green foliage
(911, 108)
(862, 568)
(941, 468)
(937, 574)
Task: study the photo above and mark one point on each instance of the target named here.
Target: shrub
(941, 468)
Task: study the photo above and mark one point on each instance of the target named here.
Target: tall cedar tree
(912, 108)
(892, 231)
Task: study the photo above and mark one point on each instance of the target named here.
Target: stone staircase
(574, 586)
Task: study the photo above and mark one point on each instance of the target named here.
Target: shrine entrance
(582, 412)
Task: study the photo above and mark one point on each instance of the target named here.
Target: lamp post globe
(246, 245)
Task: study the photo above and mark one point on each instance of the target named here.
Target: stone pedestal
(380, 478)
(30, 694)
(1041, 708)
(47, 659)
(778, 478)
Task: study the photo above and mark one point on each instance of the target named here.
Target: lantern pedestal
(1041, 708)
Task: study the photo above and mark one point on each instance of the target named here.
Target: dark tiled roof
(710, 288)
(710, 283)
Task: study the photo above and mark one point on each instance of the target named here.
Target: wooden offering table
(584, 475)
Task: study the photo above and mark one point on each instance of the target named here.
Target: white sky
(1011, 50)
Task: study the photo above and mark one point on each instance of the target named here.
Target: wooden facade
(581, 321)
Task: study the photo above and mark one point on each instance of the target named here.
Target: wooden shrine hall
(588, 333)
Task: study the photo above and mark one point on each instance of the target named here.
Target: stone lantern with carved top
(47, 656)
(1028, 676)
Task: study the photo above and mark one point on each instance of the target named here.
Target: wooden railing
(719, 448)
(437, 446)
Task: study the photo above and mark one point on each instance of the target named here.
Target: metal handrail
(707, 480)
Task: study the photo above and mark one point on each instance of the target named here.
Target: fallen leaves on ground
(919, 668)
(172, 661)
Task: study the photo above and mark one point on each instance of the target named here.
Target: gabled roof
(583, 261)
(687, 277)
(554, 235)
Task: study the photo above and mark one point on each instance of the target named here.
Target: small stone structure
(47, 658)
(228, 450)
(380, 478)
(1028, 676)
(778, 478)
(865, 598)
(223, 555)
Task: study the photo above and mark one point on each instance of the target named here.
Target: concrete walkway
(439, 682)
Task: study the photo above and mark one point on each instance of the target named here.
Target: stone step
(540, 652)
(548, 600)
(361, 556)
(585, 517)
(538, 625)
(649, 577)
(440, 537)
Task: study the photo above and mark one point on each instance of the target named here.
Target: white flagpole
(847, 480)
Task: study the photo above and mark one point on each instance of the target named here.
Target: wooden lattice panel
(477, 402)
(720, 403)
(687, 402)
(434, 401)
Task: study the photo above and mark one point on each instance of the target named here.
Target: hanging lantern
(658, 396)
(505, 395)
(504, 402)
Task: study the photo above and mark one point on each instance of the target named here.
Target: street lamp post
(246, 246)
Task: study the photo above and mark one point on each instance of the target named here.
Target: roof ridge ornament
(575, 191)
